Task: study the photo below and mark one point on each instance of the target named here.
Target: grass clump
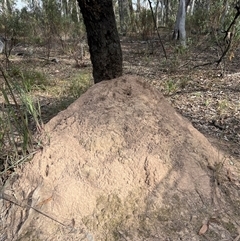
(30, 79)
(171, 87)
(18, 112)
(79, 84)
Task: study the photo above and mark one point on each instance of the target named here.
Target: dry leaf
(203, 229)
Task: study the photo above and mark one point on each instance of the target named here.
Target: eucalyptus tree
(103, 40)
(179, 28)
(168, 6)
(123, 6)
(138, 6)
(70, 9)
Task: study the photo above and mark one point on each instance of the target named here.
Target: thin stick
(8, 198)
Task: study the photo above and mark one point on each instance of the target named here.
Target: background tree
(179, 29)
(103, 39)
(123, 6)
(54, 23)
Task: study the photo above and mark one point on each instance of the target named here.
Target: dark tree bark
(103, 39)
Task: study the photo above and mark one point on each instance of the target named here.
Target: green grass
(30, 80)
(79, 84)
(17, 112)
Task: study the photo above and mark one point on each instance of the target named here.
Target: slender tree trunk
(179, 29)
(187, 2)
(226, 4)
(138, 6)
(156, 12)
(208, 5)
(103, 39)
(123, 6)
(130, 5)
(167, 6)
(192, 7)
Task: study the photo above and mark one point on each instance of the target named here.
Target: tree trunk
(123, 6)
(138, 6)
(179, 29)
(187, 2)
(130, 5)
(103, 39)
(226, 4)
(192, 7)
(167, 10)
(156, 13)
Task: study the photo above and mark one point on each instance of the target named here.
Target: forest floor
(206, 94)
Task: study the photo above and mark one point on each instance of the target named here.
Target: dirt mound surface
(121, 164)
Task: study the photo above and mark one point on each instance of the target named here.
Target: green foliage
(43, 24)
(217, 17)
(197, 22)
